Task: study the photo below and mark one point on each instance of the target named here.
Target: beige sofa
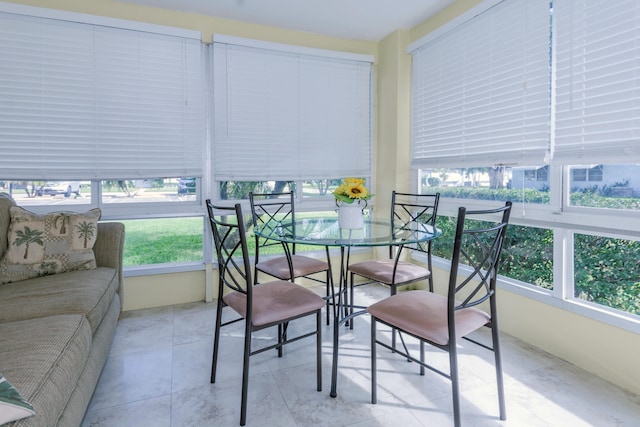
(56, 330)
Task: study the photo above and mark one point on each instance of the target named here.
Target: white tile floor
(158, 375)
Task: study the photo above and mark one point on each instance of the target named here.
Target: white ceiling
(353, 19)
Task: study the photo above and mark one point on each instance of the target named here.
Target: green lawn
(176, 240)
(165, 240)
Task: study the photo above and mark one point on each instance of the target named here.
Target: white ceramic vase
(351, 215)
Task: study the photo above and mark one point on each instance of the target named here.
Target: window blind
(481, 91)
(597, 84)
(81, 101)
(286, 115)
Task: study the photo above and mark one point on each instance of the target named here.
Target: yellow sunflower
(353, 181)
(357, 191)
(352, 189)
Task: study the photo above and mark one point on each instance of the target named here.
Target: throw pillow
(48, 244)
(13, 406)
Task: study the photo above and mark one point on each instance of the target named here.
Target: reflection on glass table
(326, 232)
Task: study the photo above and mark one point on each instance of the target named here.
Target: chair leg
(422, 358)
(393, 291)
(455, 387)
(245, 373)
(499, 376)
(319, 349)
(216, 340)
(328, 298)
(351, 300)
(374, 381)
(282, 336)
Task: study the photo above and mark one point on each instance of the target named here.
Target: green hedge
(606, 270)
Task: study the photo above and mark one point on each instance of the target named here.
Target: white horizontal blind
(597, 81)
(285, 116)
(481, 91)
(80, 101)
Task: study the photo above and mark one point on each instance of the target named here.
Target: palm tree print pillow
(40, 245)
(12, 405)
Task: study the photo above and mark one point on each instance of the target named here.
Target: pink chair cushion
(381, 270)
(274, 302)
(302, 266)
(424, 314)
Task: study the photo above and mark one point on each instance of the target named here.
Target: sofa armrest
(109, 247)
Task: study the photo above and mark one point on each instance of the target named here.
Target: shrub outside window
(607, 271)
(527, 254)
(486, 183)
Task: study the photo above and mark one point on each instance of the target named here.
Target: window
(606, 186)
(128, 135)
(163, 240)
(281, 113)
(481, 91)
(586, 174)
(39, 193)
(587, 186)
(159, 190)
(316, 189)
(86, 101)
(542, 174)
(527, 253)
(105, 113)
(537, 174)
(596, 65)
(491, 183)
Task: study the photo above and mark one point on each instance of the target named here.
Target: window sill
(148, 270)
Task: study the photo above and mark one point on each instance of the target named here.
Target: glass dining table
(325, 231)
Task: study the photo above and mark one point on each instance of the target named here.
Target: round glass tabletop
(325, 231)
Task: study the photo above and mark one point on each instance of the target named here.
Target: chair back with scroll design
(407, 210)
(274, 210)
(276, 303)
(469, 305)
(271, 209)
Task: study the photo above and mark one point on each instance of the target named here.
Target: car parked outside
(65, 188)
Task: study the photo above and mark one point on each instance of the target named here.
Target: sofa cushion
(12, 405)
(86, 292)
(43, 358)
(40, 245)
(5, 203)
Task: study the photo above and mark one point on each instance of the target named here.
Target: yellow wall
(441, 18)
(608, 351)
(159, 290)
(392, 102)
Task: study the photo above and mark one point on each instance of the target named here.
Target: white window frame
(564, 220)
(132, 210)
(343, 168)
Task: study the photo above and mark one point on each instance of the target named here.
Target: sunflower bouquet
(352, 189)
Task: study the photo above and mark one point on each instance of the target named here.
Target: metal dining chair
(275, 303)
(441, 320)
(271, 210)
(406, 210)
